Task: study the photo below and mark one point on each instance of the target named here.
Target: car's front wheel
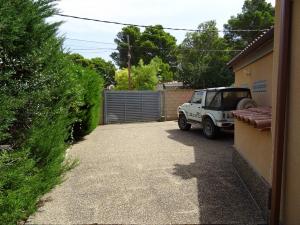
(209, 129)
(183, 123)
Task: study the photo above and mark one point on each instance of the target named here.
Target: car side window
(209, 97)
(197, 97)
(216, 101)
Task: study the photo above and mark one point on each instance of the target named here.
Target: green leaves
(256, 15)
(144, 77)
(121, 56)
(121, 78)
(164, 73)
(104, 69)
(200, 66)
(43, 95)
(154, 41)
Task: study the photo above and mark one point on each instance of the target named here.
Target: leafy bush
(41, 98)
(88, 116)
(144, 77)
(164, 72)
(105, 69)
(121, 78)
(19, 186)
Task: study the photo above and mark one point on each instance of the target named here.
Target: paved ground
(150, 173)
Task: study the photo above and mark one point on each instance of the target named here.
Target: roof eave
(257, 43)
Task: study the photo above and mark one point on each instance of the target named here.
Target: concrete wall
(291, 191)
(256, 148)
(173, 99)
(258, 70)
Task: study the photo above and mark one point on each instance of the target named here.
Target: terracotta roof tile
(260, 117)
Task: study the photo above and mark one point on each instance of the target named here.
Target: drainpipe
(281, 109)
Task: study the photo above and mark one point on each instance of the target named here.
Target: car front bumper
(224, 124)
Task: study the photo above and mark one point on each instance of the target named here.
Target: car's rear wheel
(183, 123)
(209, 129)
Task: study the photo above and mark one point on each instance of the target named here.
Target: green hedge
(88, 116)
(43, 99)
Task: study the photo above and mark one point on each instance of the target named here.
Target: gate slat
(131, 106)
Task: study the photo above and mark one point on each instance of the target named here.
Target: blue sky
(169, 13)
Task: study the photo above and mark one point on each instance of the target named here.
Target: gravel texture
(150, 173)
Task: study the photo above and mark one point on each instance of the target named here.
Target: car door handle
(199, 107)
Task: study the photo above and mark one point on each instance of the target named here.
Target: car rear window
(225, 99)
(230, 99)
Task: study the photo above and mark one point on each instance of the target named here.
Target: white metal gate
(131, 106)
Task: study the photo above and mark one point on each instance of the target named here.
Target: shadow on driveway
(222, 197)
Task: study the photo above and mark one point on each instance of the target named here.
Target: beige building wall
(173, 99)
(256, 147)
(291, 191)
(257, 71)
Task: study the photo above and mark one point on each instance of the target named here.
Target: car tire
(209, 129)
(183, 123)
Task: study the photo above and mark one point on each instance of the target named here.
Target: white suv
(212, 108)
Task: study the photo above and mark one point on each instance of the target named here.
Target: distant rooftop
(170, 85)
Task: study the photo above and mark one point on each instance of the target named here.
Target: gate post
(105, 107)
(162, 106)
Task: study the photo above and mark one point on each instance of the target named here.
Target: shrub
(121, 78)
(144, 77)
(88, 115)
(164, 72)
(19, 186)
(41, 97)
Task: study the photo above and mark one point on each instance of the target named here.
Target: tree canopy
(255, 15)
(153, 41)
(199, 65)
(121, 56)
(103, 68)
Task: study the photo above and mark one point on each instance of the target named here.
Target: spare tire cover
(246, 103)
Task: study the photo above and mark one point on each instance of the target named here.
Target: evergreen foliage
(42, 98)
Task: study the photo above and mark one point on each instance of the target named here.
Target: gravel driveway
(150, 173)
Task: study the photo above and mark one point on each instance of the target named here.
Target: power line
(165, 28)
(144, 47)
(186, 49)
(99, 42)
(84, 49)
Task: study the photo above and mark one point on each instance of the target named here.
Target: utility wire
(182, 49)
(92, 49)
(99, 42)
(142, 47)
(146, 26)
